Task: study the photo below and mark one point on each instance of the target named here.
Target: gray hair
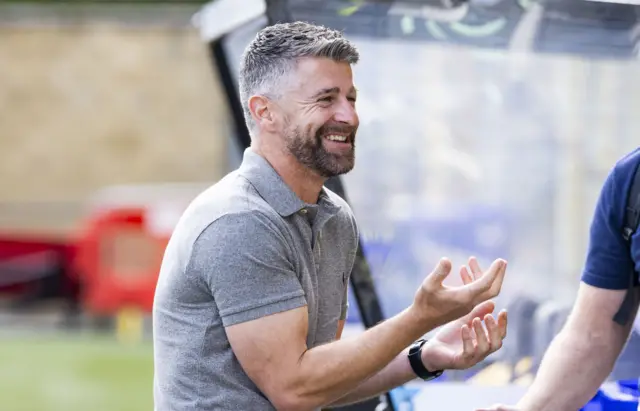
(275, 50)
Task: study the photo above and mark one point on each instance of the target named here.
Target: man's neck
(303, 182)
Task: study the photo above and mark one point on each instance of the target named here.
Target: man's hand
(436, 304)
(463, 343)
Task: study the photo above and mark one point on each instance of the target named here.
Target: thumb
(441, 271)
(494, 274)
(479, 311)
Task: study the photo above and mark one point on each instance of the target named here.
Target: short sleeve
(353, 256)
(608, 262)
(243, 258)
(345, 302)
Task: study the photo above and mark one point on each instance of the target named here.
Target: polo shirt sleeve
(245, 261)
(608, 262)
(344, 309)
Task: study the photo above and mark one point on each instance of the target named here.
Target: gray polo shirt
(246, 247)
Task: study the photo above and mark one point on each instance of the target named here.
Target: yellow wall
(96, 104)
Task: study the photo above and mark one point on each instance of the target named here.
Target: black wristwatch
(415, 359)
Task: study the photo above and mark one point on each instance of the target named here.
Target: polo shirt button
(303, 211)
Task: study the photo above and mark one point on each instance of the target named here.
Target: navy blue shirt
(609, 262)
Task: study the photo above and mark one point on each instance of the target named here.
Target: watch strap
(415, 360)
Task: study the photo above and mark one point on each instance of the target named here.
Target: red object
(118, 261)
(32, 254)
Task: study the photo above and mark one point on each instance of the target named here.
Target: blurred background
(487, 129)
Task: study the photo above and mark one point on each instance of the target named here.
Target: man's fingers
(473, 333)
(497, 283)
(495, 277)
(441, 271)
(465, 275)
(479, 311)
(502, 324)
(495, 334)
(468, 346)
(482, 341)
(475, 268)
(485, 287)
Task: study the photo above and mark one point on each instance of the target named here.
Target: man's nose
(346, 113)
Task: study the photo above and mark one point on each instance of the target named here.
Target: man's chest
(323, 261)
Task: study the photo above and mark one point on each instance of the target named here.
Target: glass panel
(580, 27)
(475, 151)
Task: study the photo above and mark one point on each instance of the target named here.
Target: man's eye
(327, 99)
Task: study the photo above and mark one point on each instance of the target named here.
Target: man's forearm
(397, 373)
(573, 368)
(329, 372)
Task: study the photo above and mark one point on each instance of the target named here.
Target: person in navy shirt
(584, 353)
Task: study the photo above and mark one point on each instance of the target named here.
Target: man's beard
(309, 150)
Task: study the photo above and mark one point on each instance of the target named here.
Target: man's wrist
(426, 360)
(416, 361)
(423, 322)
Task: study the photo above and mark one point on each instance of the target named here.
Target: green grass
(65, 373)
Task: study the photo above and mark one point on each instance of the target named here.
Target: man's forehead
(321, 75)
(335, 90)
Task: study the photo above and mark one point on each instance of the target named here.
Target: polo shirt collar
(275, 191)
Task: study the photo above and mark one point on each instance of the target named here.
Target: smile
(334, 137)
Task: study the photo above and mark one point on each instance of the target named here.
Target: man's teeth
(337, 138)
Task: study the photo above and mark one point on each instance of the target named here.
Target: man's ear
(259, 107)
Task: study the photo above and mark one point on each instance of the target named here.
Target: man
(252, 295)
(583, 354)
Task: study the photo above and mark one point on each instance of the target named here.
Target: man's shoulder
(232, 195)
(628, 163)
(227, 208)
(614, 194)
(609, 260)
(620, 179)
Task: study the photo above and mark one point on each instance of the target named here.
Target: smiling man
(252, 294)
